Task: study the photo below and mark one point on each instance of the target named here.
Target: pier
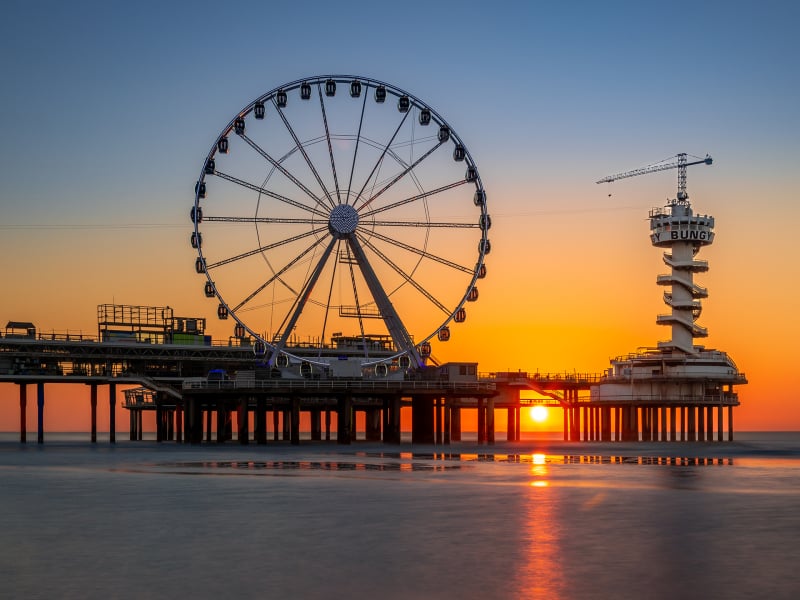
(176, 383)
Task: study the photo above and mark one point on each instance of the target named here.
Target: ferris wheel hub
(343, 220)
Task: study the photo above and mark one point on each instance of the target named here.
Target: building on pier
(677, 375)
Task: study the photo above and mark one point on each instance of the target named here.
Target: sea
(538, 518)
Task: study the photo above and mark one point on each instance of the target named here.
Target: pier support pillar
(422, 420)
(23, 412)
(276, 424)
(719, 423)
(391, 420)
(327, 425)
(511, 424)
(672, 431)
(295, 421)
(481, 421)
(179, 423)
(490, 421)
(730, 423)
(692, 429)
(243, 420)
(208, 425)
(112, 413)
(93, 411)
(260, 424)
(448, 420)
(287, 423)
(316, 424)
(40, 412)
(710, 423)
(437, 420)
(455, 421)
(566, 423)
(372, 425)
(344, 421)
(701, 425)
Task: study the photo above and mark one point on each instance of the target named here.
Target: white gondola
(305, 369)
(381, 370)
(282, 361)
(259, 349)
(404, 362)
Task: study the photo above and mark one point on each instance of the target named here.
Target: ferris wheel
(340, 205)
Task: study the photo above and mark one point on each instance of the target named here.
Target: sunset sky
(109, 109)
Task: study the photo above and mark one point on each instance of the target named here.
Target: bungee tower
(670, 391)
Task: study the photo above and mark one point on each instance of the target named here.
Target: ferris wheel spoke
(330, 147)
(277, 276)
(402, 174)
(411, 199)
(355, 151)
(275, 220)
(277, 164)
(261, 249)
(424, 224)
(271, 194)
(383, 154)
(421, 253)
(405, 275)
(302, 298)
(302, 149)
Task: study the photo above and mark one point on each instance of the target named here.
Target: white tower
(672, 391)
(675, 227)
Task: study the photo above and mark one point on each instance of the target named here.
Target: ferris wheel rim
(368, 83)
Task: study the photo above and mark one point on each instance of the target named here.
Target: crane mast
(681, 163)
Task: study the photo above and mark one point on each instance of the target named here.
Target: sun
(538, 414)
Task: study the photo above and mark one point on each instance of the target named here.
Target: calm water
(529, 520)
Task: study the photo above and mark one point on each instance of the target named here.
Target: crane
(680, 164)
